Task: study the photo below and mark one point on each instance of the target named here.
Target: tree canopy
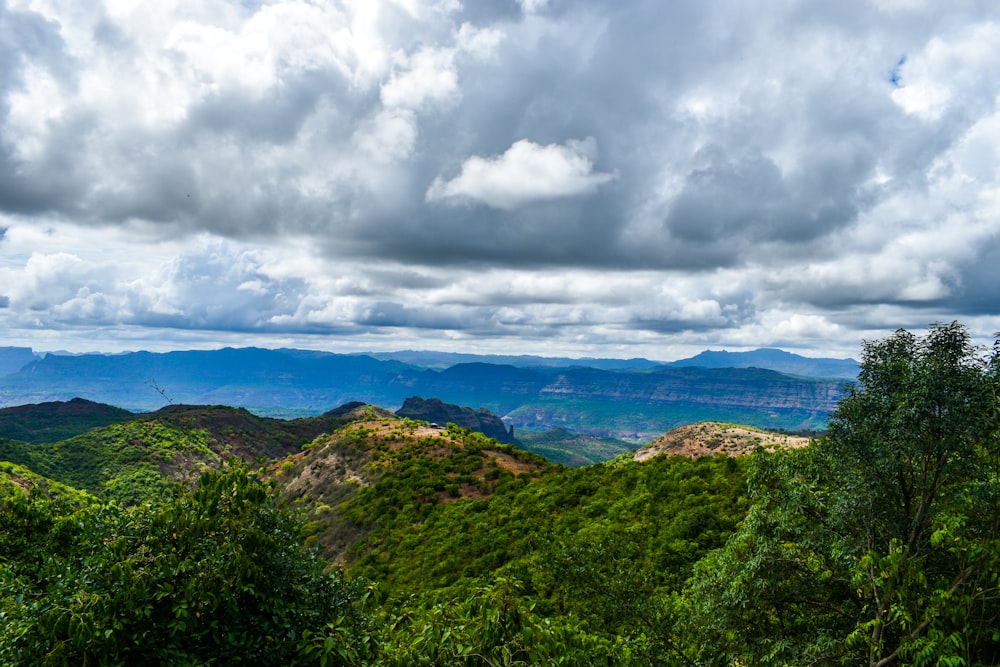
(880, 543)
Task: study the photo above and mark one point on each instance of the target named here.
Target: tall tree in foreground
(880, 543)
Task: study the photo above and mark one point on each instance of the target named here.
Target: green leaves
(880, 543)
(215, 574)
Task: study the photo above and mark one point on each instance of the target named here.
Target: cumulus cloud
(753, 173)
(525, 173)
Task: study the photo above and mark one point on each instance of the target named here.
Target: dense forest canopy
(878, 544)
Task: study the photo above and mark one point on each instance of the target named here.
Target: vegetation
(214, 573)
(564, 447)
(879, 545)
(59, 420)
(141, 459)
(388, 542)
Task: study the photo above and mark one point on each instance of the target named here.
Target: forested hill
(57, 420)
(634, 404)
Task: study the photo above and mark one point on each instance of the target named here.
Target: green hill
(381, 471)
(144, 456)
(565, 447)
(58, 420)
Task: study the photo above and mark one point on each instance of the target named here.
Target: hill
(380, 471)
(57, 420)
(144, 456)
(713, 438)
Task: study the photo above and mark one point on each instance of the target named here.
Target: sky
(600, 178)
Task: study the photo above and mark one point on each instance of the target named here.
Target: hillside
(713, 438)
(381, 470)
(57, 420)
(147, 454)
(430, 514)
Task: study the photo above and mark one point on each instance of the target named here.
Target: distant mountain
(628, 404)
(435, 410)
(285, 383)
(442, 360)
(13, 359)
(775, 360)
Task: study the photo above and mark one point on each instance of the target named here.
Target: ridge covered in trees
(379, 540)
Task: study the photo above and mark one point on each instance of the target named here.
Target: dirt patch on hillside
(332, 467)
(711, 438)
(508, 462)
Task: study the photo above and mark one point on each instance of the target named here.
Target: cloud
(525, 173)
(951, 71)
(571, 174)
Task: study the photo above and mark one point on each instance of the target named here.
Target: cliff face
(435, 410)
(12, 359)
(748, 388)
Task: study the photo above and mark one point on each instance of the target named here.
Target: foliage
(600, 548)
(58, 420)
(215, 575)
(880, 544)
(494, 626)
(122, 461)
(142, 458)
(373, 477)
(572, 449)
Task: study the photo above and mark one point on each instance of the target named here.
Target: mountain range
(634, 401)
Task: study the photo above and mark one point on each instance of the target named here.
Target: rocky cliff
(437, 411)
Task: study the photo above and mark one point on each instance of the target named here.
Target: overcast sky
(608, 178)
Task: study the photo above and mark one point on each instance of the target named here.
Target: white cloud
(532, 6)
(527, 172)
(959, 70)
(426, 77)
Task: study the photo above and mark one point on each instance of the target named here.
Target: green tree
(495, 626)
(217, 575)
(880, 544)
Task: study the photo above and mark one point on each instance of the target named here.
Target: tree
(880, 543)
(914, 451)
(216, 575)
